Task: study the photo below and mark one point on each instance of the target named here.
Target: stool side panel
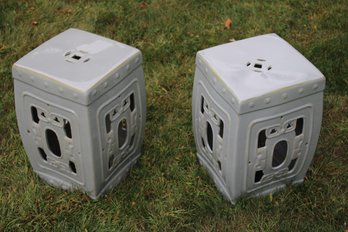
(67, 162)
(217, 156)
(123, 103)
(300, 147)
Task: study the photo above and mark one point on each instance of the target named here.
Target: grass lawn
(167, 190)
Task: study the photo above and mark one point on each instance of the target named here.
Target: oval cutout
(53, 142)
(122, 132)
(279, 153)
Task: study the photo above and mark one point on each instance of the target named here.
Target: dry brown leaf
(143, 5)
(228, 23)
(67, 11)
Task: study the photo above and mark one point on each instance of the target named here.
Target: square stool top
(77, 65)
(259, 72)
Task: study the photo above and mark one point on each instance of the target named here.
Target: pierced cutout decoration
(107, 123)
(42, 153)
(34, 114)
(299, 126)
(292, 164)
(131, 140)
(125, 102)
(261, 142)
(76, 57)
(72, 166)
(210, 136)
(202, 105)
(67, 129)
(111, 161)
(122, 132)
(259, 65)
(53, 142)
(258, 176)
(221, 129)
(114, 112)
(203, 143)
(132, 104)
(279, 153)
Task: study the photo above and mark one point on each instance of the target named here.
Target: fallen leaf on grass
(228, 23)
(67, 11)
(142, 5)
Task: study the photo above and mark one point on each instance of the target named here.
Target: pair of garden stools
(256, 112)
